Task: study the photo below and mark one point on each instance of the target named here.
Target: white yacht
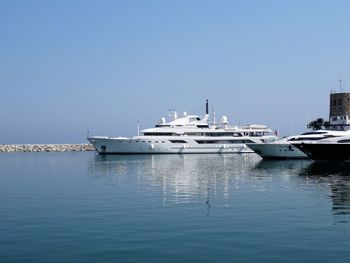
(283, 148)
(186, 134)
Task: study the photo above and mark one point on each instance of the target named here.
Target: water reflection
(209, 178)
(336, 176)
(331, 179)
(179, 178)
(280, 167)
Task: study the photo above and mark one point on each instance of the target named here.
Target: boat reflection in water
(336, 176)
(267, 167)
(178, 178)
(321, 179)
(227, 182)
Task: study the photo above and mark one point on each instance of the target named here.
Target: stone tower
(339, 110)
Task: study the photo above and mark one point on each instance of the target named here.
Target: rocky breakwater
(46, 147)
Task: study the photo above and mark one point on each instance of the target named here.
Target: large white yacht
(284, 149)
(186, 134)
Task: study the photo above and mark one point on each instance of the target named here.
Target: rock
(46, 147)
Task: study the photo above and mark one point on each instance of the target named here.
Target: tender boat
(285, 149)
(335, 149)
(187, 134)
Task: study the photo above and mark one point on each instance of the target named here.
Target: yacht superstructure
(186, 134)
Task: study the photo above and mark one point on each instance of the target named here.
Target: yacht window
(158, 134)
(163, 141)
(310, 138)
(202, 125)
(344, 141)
(178, 141)
(223, 141)
(220, 134)
(312, 133)
(298, 139)
(205, 142)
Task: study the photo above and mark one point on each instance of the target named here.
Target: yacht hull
(326, 151)
(277, 151)
(141, 145)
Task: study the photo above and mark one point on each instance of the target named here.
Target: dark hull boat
(336, 150)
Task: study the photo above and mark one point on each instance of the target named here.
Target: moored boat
(285, 149)
(186, 134)
(328, 149)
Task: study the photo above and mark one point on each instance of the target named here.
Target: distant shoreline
(83, 147)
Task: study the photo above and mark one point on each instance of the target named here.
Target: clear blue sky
(71, 66)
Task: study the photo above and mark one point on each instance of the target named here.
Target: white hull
(155, 145)
(277, 151)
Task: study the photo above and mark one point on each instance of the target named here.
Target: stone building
(339, 110)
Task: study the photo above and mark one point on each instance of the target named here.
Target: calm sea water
(81, 207)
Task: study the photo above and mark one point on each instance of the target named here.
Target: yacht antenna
(213, 119)
(207, 107)
(172, 113)
(340, 81)
(138, 128)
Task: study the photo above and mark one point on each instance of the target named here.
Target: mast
(207, 107)
(213, 118)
